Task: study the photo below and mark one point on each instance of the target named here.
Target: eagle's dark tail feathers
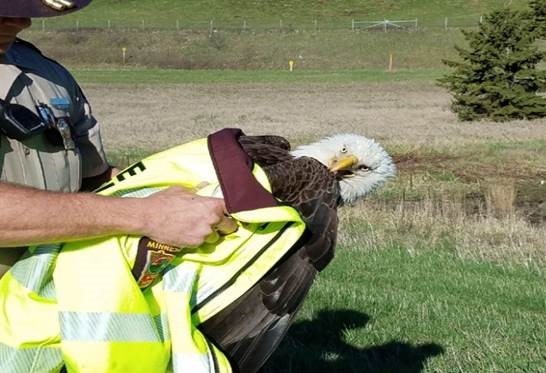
(250, 329)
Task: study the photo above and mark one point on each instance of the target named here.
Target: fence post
(178, 24)
(445, 23)
(77, 25)
(390, 62)
(211, 25)
(43, 24)
(109, 25)
(244, 25)
(316, 25)
(416, 24)
(481, 19)
(142, 24)
(385, 25)
(280, 25)
(353, 25)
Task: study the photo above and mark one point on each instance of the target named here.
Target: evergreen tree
(538, 14)
(497, 78)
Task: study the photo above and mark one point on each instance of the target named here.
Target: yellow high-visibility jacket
(79, 305)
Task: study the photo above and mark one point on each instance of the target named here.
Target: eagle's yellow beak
(343, 163)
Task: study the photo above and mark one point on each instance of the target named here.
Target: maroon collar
(241, 190)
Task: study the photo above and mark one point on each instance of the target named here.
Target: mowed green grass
(165, 76)
(389, 311)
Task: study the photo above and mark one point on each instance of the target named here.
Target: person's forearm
(30, 216)
(172, 216)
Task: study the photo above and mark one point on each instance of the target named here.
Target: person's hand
(179, 218)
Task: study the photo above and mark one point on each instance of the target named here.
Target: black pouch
(18, 122)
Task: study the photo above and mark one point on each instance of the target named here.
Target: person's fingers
(212, 238)
(191, 218)
(226, 225)
(224, 208)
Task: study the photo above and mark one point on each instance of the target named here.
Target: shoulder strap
(8, 74)
(33, 48)
(28, 45)
(241, 190)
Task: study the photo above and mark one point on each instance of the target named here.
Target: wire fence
(355, 25)
(385, 25)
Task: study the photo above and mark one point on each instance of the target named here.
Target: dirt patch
(505, 189)
(407, 114)
(412, 162)
(531, 200)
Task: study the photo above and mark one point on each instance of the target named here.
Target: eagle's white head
(360, 163)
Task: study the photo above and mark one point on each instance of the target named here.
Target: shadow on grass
(319, 345)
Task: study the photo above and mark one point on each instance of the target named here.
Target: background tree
(538, 13)
(497, 77)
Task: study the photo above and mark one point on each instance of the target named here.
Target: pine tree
(538, 14)
(497, 78)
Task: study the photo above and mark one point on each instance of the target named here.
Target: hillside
(260, 34)
(262, 13)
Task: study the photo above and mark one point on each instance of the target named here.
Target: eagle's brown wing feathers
(310, 188)
(269, 140)
(250, 329)
(266, 150)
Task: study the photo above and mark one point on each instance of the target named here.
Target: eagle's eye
(344, 149)
(363, 167)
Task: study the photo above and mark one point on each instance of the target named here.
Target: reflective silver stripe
(183, 362)
(204, 292)
(48, 291)
(111, 327)
(137, 193)
(179, 279)
(26, 360)
(162, 324)
(34, 272)
(213, 362)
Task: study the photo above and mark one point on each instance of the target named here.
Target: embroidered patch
(157, 257)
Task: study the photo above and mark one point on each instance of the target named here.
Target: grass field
(389, 310)
(443, 270)
(264, 35)
(267, 13)
(197, 49)
(172, 76)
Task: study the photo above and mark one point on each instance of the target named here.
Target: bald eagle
(314, 179)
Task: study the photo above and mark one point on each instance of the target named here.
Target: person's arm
(173, 216)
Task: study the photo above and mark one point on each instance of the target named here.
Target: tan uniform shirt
(29, 79)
